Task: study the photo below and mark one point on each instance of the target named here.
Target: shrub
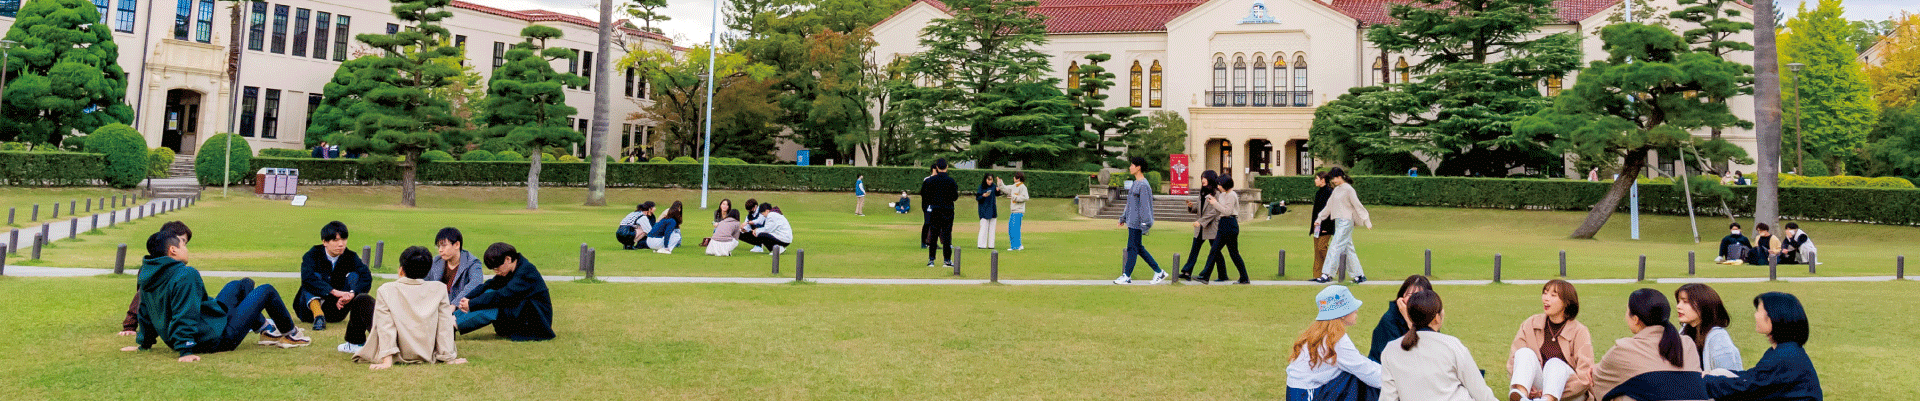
(15, 147)
(548, 157)
(126, 153)
(289, 153)
(685, 160)
(757, 177)
(436, 156)
(568, 159)
(1815, 168)
(1889, 182)
(478, 156)
(214, 154)
(51, 168)
(657, 159)
(509, 156)
(1154, 178)
(159, 160)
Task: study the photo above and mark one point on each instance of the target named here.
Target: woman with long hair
(1425, 365)
(988, 197)
(1704, 318)
(1393, 324)
(720, 213)
(1656, 346)
(1193, 251)
(1325, 364)
(1552, 353)
(665, 234)
(1784, 372)
(1345, 210)
(1227, 232)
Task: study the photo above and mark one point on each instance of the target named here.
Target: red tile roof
(544, 15)
(1100, 16)
(1372, 12)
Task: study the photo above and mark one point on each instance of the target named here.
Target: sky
(692, 20)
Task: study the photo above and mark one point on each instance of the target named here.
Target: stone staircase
(182, 167)
(180, 182)
(1172, 208)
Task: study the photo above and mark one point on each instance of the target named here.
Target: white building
(1248, 74)
(182, 59)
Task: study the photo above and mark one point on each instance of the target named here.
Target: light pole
(6, 55)
(706, 154)
(1799, 151)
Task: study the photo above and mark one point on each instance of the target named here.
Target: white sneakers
(349, 348)
(1123, 280)
(1158, 277)
(758, 249)
(668, 251)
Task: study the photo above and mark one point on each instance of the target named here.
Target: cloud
(690, 23)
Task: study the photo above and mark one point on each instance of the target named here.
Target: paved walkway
(35, 271)
(59, 228)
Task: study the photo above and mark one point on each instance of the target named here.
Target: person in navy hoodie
(335, 285)
(1784, 372)
(515, 301)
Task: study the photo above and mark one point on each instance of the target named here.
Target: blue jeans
(1013, 228)
(244, 303)
(1135, 248)
(467, 322)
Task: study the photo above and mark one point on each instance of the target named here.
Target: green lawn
(810, 341)
(23, 199)
(243, 233)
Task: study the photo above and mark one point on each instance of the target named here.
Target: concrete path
(35, 271)
(62, 227)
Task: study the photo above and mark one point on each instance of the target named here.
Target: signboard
(1179, 162)
(800, 156)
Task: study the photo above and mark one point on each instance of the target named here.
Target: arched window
(1153, 90)
(1239, 81)
(1279, 79)
(1073, 75)
(1135, 79)
(1554, 84)
(1405, 76)
(1219, 81)
(1300, 94)
(1259, 80)
(1379, 70)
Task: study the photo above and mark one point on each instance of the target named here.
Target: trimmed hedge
(51, 169)
(213, 155)
(759, 177)
(1856, 204)
(293, 153)
(126, 153)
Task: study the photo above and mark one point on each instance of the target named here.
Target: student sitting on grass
(1733, 248)
(1784, 372)
(176, 310)
(1552, 353)
(904, 205)
(334, 286)
(1797, 248)
(1425, 365)
(1656, 346)
(1765, 247)
(1326, 365)
(454, 267)
(515, 301)
(634, 227)
(1393, 324)
(1704, 318)
(412, 322)
(665, 234)
(131, 324)
(725, 235)
(775, 235)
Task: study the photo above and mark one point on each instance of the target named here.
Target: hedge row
(879, 180)
(1865, 205)
(51, 169)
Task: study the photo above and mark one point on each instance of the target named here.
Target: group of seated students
(1795, 248)
(764, 227)
(411, 320)
(1552, 353)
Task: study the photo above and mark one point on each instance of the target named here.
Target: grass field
(246, 234)
(23, 199)
(811, 341)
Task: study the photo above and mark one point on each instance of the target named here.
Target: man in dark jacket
(938, 193)
(1733, 247)
(175, 308)
(514, 301)
(1322, 231)
(336, 285)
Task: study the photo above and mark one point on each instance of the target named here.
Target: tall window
(460, 41)
(270, 126)
(340, 38)
(300, 19)
(1280, 83)
(1239, 81)
(1153, 88)
(1405, 76)
(123, 21)
(322, 23)
(1554, 85)
(586, 69)
(280, 29)
(1259, 80)
(9, 8)
(203, 26)
(1300, 95)
(1380, 70)
(182, 19)
(249, 105)
(1219, 81)
(499, 54)
(1073, 75)
(313, 104)
(257, 27)
(101, 6)
(1134, 79)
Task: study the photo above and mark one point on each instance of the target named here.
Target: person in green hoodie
(175, 308)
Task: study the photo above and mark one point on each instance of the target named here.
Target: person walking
(859, 195)
(938, 193)
(1345, 209)
(1320, 229)
(987, 196)
(1138, 218)
(1016, 207)
(1227, 232)
(1200, 223)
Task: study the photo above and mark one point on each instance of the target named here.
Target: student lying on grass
(412, 320)
(175, 308)
(514, 301)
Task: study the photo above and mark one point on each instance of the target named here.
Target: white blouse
(1347, 358)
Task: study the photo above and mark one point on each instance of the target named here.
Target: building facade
(192, 71)
(1247, 75)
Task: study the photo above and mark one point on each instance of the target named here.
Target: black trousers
(939, 233)
(1230, 239)
(762, 240)
(1193, 255)
(358, 313)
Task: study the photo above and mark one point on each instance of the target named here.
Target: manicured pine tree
(396, 115)
(527, 100)
(1716, 33)
(978, 61)
(64, 76)
(1095, 127)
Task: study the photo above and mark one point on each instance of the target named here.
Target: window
(1300, 94)
(249, 104)
(1280, 84)
(1073, 75)
(123, 21)
(1239, 81)
(313, 104)
(257, 27)
(321, 24)
(1259, 80)
(393, 29)
(9, 8)
(1133, 82)
(1153, 88)
(1380, 70)
(1554, 85)
(581, 125)
(1405, 76)
(499, 54)
(300, 19)
(460, 41)
(586, 69)
(340, 38)
(182, 19)
(203, 27)
(1219, 81)
(629, 90)
(270, 126)
(101, 6)
(280, 29)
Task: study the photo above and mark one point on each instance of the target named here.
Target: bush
(478, 156)
(51, 168)
(657, 159)
(290, 153)
(685, 160)
(213, 155)
(1889, 182)
(548, 157)
(568, 159)
(757, 177)
(1815, 168)
(159, 161)
(509, 156)
(436, 156)
(126, 153)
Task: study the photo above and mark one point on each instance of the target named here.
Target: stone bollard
(1642, 276)
(1813, 263)
(366, 255)
(89, 205)
(38, 241)
(800, 265)
(45, 232)
(956, 260)
(10, 212)
(73, 229)
(583, 258)
(1900, 267)
(1690, 264)
(13, 242)
(993, 268)
(592, 259)
(1429, 258)
(1773, 268)
(3, 259)
(56, 211)
(96, 222)
(1563, 263)
(73, 207)
(379, 253)
(36, 213)
(1283, 264)
(1176, 261)
(776, 262)
(120, 260)
(110, 215)
(1496, 268)
(1343, 270)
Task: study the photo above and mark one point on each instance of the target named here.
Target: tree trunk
(533, 183)
(597, 139)
(1720, 166)
(1766, 105)
(408, 168)
(1597, 218)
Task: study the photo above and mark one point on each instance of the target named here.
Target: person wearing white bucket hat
(1325, 364)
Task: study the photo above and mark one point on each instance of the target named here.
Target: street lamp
(6, 55)
(1799, 152)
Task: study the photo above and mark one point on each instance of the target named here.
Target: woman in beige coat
(1654, 347)
(1346, 211)
(1552, 353)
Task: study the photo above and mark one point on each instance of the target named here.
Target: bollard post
(1813, 263)
(45, 232)
(1283, 263)
(776, 262)
(1773, 268)
(89, 205)
(73, 207)
(800, 265)
(1643, 268)
(379, 253)
(583, 258)
(1690, 264)
(36, 213)
(1176, 262)
(1563, 263)
(592, 257)
(120, 260)
(10, 212)
(73, 228)
(366, 255)
(56, 211)
(13, 242)
(110, 215)
(3, 259)
(1496, 268)
(1429, 258)
(957, 253)
(1343, 270)
(96, 223)
(993, 268)
(1900, 268)
(38, 240)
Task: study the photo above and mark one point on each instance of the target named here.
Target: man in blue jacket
(175, 308)
(334, 286)
(514, 301)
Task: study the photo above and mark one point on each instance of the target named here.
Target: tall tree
(396, 115)
(1833, 107)
(527, 102)
(821, 49)
(602, 109)
(1166, 134)
(647, 11)
(1098, 132)
(978, 60)
(65, 77)
(1896, 74)
(1717, 33)
(1645, 96)
(679, 86)
(1766, 110)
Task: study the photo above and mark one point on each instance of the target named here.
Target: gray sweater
(1139, 213)
(463, 282)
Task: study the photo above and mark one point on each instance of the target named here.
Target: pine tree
(395, 115)
(980, 60)
(65, 76)
(527, 101)
(645, 11)
(1716, 34)
(1097, 129)
(1830, 109)
(1647, 95)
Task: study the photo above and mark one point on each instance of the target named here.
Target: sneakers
(296, 338)
(1323, 279)
(1018, 249)
(668, 251)
(1242, 282)
(270, 334)
(350, 348)
(1123, 280)
(949, 263)
(1159, 277)
(1719, 259)
(779, 249)
(1185, 277)
(758, 249)
(1202, 281)
(1359, 279)
(319, 323)
(929, 262)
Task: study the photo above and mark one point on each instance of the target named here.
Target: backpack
(1737, 252)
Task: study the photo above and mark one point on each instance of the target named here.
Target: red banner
(1179, 176)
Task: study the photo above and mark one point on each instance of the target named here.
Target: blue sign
(800, 157)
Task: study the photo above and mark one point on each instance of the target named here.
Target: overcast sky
(692, 20)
